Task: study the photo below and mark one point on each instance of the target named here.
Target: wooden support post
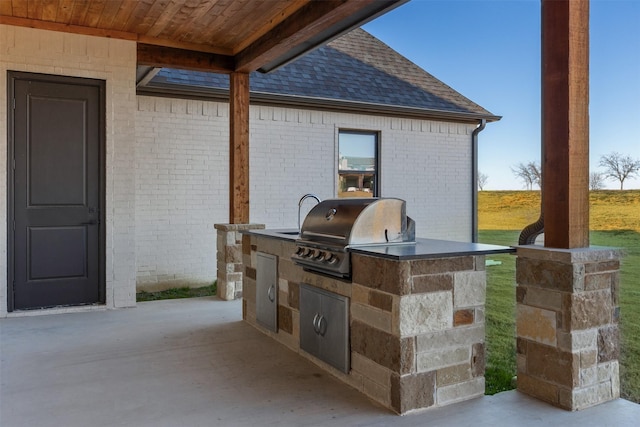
(565, 122)
(239, 148)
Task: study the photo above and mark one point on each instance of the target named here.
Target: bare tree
(522, 172)
(536, 173)
(619, 167)
(530, 173)
(596, 181)
(482, 180)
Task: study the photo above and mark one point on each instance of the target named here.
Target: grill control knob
(300, 251)
(309, 253)
(332, 259)
(319, 256)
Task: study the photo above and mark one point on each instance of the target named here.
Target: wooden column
(239, 148)
(565, 122)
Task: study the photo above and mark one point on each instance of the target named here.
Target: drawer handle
(271, 293)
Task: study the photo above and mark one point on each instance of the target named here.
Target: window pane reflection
(357, 164)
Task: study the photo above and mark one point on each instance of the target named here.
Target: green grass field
(174, 293)
(615, 221)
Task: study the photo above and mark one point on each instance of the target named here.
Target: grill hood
(358, 221)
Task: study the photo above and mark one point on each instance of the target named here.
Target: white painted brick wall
(182, 174)
(426, 163)
(293, 152)
(430, 167)
(167, 164)
(40, 51)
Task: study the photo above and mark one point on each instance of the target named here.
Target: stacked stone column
(417, 330)
(229, 259)
(567, 325)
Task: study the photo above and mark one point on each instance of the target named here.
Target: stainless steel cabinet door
(267, 291)
(324, 326)
(333, 329)
(310, 303)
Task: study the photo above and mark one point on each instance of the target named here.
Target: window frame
(376, 190)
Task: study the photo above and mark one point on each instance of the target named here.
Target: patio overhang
(234, 37)
(222, 36)
(237, 37)
(240, 36)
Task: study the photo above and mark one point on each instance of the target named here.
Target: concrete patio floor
(194, 362)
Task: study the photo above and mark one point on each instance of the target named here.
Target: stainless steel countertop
(431, 248)
(422, 249)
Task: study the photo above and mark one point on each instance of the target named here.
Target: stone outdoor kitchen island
(416, 333)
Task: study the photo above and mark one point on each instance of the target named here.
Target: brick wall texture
(182, 176)
(167, 168)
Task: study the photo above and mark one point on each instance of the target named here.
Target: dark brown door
(56, 196)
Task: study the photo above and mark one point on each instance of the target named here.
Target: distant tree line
(617, 167)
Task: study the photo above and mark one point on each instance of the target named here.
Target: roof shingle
(354, 68)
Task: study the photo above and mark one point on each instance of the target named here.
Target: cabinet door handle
(316, 323)
(271, 293)
(322, 326)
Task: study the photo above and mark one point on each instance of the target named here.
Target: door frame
(12, 77)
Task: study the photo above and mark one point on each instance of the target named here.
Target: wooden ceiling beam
(160, 56)
(144, 39)
(310, 20)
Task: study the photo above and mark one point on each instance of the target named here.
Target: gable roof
(354, 72)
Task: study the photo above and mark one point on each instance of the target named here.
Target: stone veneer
(229, 259)
(416, 327)
(567, 325)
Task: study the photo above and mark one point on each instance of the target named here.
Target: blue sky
(489, 51)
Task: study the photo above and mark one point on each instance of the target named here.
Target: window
(358, 164)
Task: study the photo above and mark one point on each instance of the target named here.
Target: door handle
(316, 326)
(322, 326)
(92, 222)
(319, 324)
(271, 293)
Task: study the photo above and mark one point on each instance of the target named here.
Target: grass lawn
(500, 314)
(615, 221)
(174, 293)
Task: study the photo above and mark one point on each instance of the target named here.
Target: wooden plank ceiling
(212, 35)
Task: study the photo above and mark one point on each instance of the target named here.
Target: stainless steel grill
(335, 225)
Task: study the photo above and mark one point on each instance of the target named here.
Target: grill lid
(358, 221)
